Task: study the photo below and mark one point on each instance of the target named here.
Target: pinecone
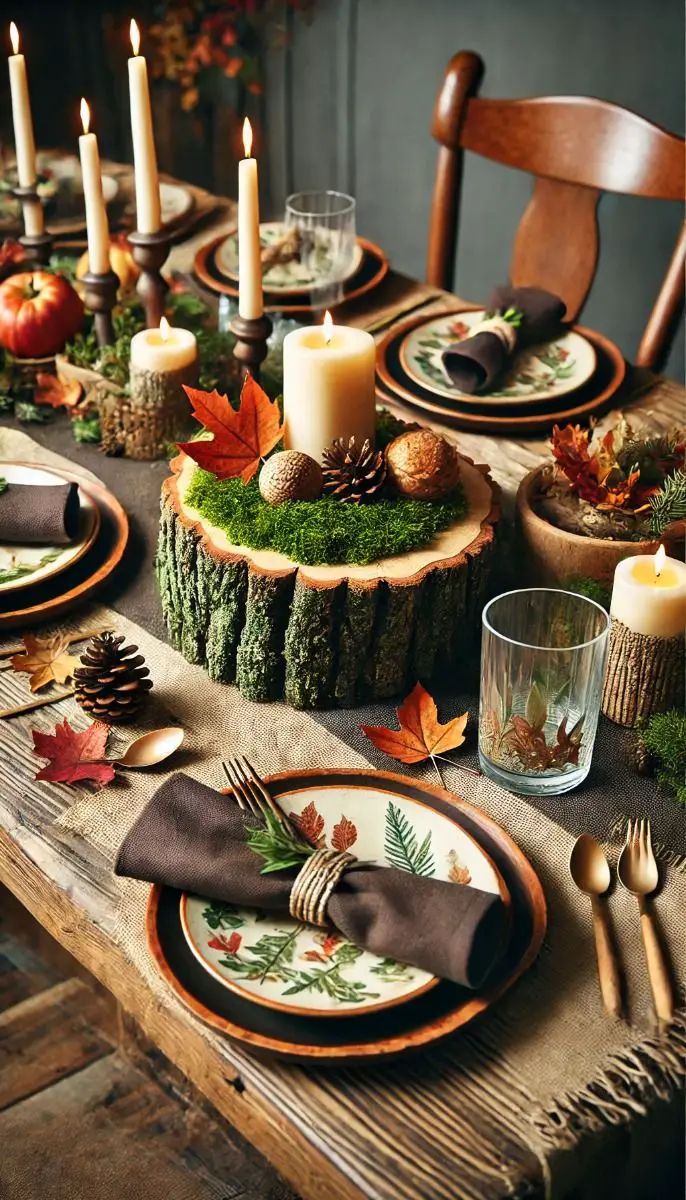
(112, 683)
(353, 475)
(640, 757)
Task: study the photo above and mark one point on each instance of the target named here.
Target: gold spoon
(637, 872)
(151, 748)
(590, 871)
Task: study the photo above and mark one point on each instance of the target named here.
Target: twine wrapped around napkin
(475, 363)
(192, 838)
(31, 513)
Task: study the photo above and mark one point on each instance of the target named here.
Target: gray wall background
(348, 105)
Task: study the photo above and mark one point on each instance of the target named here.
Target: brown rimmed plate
(51, 599)
(511, 417)
(273, 960)
(371, 273)
(379, 1035)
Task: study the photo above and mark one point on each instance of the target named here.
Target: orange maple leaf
(53, 392)
(74, 757)
(45, 660)
(421, 734)
(344, 834)
(310, 823)
(240, 437)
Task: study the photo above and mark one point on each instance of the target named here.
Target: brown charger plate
(420, 1022)
(77, 583)
(512, 417)
(372, 271)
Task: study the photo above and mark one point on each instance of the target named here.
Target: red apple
(39, 312)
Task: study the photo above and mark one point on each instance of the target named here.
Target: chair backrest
(576, 147)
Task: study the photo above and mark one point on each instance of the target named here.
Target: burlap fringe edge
(634, 1077)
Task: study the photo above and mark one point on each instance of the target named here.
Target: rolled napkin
(47, 515)
(192, 838)
(474, 364)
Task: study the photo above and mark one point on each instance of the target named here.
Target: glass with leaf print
(542, 663)
(327, 248)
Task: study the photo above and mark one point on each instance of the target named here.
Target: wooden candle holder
(150, 252)
(100, 297)
(251, 336)
(38, 246)
(644, 675)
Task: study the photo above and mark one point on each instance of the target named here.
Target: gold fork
(251, 793)
(637, 872)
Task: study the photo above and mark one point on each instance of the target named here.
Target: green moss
(592, 589)
(321, 531)
(665, 738)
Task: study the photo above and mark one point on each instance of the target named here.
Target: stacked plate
(41, 582)
(566, 379)
(303, 994)
(291, 288)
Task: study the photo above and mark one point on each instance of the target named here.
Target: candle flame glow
(135, 36)
(14, 38)
(328, 327)
(659, 561)
(247, 137)
(85, 115)
(164, 329)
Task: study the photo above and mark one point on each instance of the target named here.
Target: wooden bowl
(554, 556)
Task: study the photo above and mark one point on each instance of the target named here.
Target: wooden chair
(575, 147)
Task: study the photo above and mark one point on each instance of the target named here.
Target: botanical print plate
(536, 373)
(22, 566)
(175, 201)
(315, 972)
(293, 276)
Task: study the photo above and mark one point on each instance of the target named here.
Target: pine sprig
(669, 504)
(401, 846)
(513, 316)
(279, 848)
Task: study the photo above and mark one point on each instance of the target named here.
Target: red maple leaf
(240, 438)
(421, 734)
(72, 756)
(309, 822)
(344, 834)
(230, 945)
(53, 392)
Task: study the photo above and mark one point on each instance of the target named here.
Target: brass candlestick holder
(150, 251)
(38, 246)
(100, 297)
(252, 334)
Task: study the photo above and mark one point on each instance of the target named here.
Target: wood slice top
(449, 548)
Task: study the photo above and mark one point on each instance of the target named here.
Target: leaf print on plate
(230, 945)
(223, 916)
(310, 823)
(390, 971)
(401, 845)
(457, 871)
(344, 835)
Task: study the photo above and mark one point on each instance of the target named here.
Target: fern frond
(401, 847)
(669, 504)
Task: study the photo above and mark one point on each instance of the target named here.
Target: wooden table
(330, 1136)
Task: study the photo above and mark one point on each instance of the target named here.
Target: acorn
(290, 475)
(422, 465)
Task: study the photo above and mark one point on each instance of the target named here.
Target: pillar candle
(649, 595)
(148, 210)
(25, 146)
(249, 255)
(163, 350)
(328, 387)
(97, 228)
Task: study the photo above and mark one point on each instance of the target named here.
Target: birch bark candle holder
(36, 240)
(150, 252)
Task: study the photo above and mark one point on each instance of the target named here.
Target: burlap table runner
(547, 1065)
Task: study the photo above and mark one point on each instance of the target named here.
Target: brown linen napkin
(48, 515)
(475, 363)
(192, 838)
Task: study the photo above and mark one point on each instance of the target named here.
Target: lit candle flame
(85, 115)
(164, 329)
(660, 561)
(247, 137)
(328, 327)
(135, 36)
(14, 38)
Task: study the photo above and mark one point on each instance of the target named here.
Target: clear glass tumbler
(325, 221)
(542, 663)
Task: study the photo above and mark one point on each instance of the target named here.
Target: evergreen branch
(401, 846)
(279, 848)
(669, 504)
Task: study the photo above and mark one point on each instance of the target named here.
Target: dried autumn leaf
(458, 872)
(309, 822)
(421, 734)
(46, 660)
(74, 757)
(536, 708)
(344, 834)
(55, 393)
(241, 438)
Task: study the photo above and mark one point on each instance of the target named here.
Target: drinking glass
(542, 663)
(326, 223)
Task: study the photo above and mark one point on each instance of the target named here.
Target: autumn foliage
(240, 437)
(615, 471)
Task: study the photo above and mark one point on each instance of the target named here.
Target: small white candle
(148, 208)
(25, 146)
(328, 387)
(97, 228)
(649, 595)
(163, 350)
(250, 303)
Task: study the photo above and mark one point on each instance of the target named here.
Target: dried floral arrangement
(618, 485)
